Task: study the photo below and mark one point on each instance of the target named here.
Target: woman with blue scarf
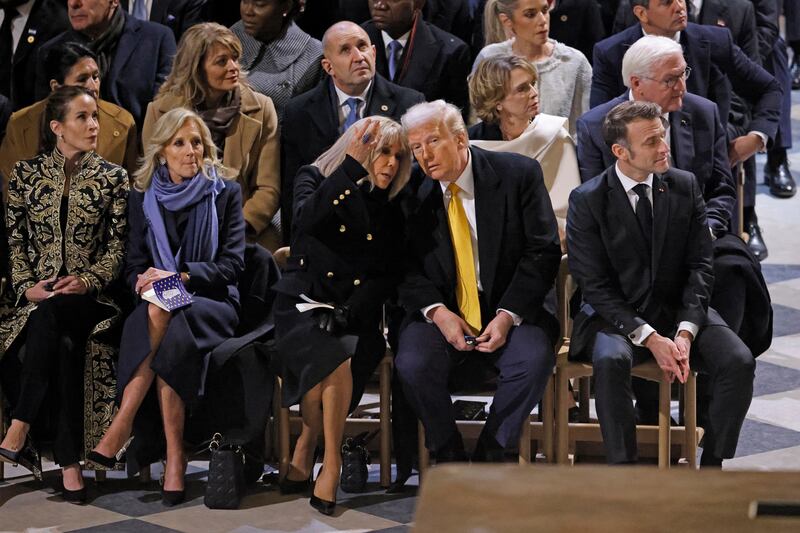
(185, 218)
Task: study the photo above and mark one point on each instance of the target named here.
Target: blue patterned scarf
(199, 242)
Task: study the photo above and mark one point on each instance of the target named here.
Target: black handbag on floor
(226, 474)
(355, 458)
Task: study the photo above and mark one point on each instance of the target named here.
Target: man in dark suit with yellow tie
(483, 251)
(640, 250)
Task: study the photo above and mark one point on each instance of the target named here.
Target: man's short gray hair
(645, 54)
(439, 111)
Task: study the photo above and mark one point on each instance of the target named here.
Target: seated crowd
(144, 163)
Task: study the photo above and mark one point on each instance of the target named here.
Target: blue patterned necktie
(394, 58)
(352, 116)
(140, 9)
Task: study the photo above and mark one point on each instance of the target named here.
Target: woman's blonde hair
(489, 84)
(165, 129)
(390, 132)
(493, 29)
(187, 79)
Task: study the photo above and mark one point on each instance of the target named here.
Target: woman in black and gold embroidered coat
(67, 224)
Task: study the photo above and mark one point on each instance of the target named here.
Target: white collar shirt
(344, 109)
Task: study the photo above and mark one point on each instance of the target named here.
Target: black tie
(644, 213)
(690, 12)
(6, 50)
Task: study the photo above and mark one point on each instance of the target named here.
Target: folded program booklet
(168, 293)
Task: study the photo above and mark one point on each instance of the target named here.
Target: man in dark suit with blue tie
(483, 251)
(640, 250)
(416, 54)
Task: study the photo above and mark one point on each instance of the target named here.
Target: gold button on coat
(342, 229)
(369, 236)
(356, 282)
(347, 191)
(336, 202)
(341, 197)
(330, 274)
(116, 133)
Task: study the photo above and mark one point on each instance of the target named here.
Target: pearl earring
(161, 160)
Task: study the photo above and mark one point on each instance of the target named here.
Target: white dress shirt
(19, 22)
(466, 182)
(344, 109)
(641, 333)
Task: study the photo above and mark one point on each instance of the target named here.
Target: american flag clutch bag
(168, 293)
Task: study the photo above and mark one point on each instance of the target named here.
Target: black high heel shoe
(27, 456)
(108, 463)
(323, 506)
(292, 486)
(171, 498)
(74, 496)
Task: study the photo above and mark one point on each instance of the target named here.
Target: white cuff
(514, 316)
(764, 140)
(691, 327)
(641, 333)
(425, 311)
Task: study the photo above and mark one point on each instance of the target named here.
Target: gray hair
(439, 111)
(390, 133)
(645, 54)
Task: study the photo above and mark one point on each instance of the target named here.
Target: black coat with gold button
(345, 242)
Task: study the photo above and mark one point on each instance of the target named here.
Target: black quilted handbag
(355, 458)
(226, 480)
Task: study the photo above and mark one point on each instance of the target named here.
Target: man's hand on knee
(452, 327)
(666, 354)
(495, 333)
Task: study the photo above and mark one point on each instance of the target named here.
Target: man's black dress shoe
(780, 180)
(756, 241)
(453, 451)
(27, 457)
(488, 450)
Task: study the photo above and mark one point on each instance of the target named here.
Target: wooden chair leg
(664, 396)
(424, 456)
(283, 433)
(690, 419)
(525, 442)
(584, 397)
(386, 421)
(547, 417)
(562, 418)
(2, 435)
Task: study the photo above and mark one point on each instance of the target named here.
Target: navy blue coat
(698, 145)
(714, 60)
(141, 63)
(212, 317)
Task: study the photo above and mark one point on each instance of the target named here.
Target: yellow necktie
(466, 282)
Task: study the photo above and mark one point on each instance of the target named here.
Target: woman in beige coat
(206, 78)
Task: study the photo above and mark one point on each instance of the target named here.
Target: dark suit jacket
(327, 260)
(177, 15)
(698, 144)
(736, 15)
(518, 245)
(311, 126)
(48, 18)
(452, 16)
(623, 285)
(714, 60)
(577, 23)
(434, 63)
(141, 63)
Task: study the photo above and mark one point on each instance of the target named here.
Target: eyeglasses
(672, 80)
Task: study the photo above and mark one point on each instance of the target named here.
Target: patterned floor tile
(135, 499)
(758, 437)
(771, 378)
(126, 526)
(774, 273)
(786, 320)
(777, 409)
(784, 351)
(784, 459)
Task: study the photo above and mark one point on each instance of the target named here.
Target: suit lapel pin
(384, 107)
(684, 122)
(721, 23)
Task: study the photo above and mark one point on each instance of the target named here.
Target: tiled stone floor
(770, 438)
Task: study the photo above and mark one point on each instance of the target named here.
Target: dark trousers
(716, 351)
(424, 362)
(52, 369)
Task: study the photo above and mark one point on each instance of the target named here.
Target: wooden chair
(285, 422)
(567, 370)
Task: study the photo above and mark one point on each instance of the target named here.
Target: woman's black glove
(334, 321)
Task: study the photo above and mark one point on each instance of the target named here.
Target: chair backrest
(565, 289)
